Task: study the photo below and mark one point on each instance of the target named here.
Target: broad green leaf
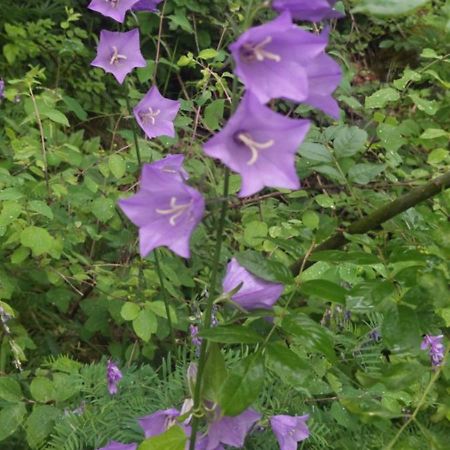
(365, 173)
(103, 208)
(42, 389)
(389, 7)
(429, 107)
(214, 114)
(349, 141)
(37, 239)
(255, 232)
(408, 76)
(208, 53)
(40, 424)
(311, 220)
(382, 97)
(117, 165)
(437, 156)
(11, 210)
(11, 417)
(359, 258)
(214, 374)
(10, 389)
(324, 289)
(130, 311)
(41, 208)
(173, 439)
(55, 116)
(145, 324)
(243, 385)
(231, 334)
(390, 137)
(434, 133)
(315, 152)
(74, 106)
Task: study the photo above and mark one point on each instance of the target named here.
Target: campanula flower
(158, 422)
(113, 376)
(170, 165)
(146, 5)
(119, 53)
(116, 9)
(435, 348)
(166, 210)
(289, 430)
(260, 145)
(255, 292)
(114, 445)
(312, 10)
(271, 59)
(155, 114)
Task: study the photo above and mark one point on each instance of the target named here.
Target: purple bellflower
(260, 145)
(146, 5)
(113, 376)
(119, 53)
(158, 422)
(116, 9)
(171, 165)
(435, 348)
(271, 59)
(289, 430)
(312, 10)
(155, 114)
(166, 210)
(114, 445)
(255, 292)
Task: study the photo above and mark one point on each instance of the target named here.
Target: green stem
(133, 126)
(209, 306)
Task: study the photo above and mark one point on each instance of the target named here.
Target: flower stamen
(254, 146)
(149, 115)
(175, 211)
(116, 56)
(252, 52)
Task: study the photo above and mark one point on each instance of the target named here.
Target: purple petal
(116, 9)
(114, 445)
(312, 10)
(158, 422)
(146, 5)
(289, 430)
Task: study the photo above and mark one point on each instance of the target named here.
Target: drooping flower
(271, 59)
(255, 292)
(114, 445)
(229, 430)
(166, 210)
(435, 348)
(260, 145)
(155, 114)
(116, 9)
(158, 422)
(171, 165)
(313, 11)
(113, 376)
(289, 430)
(146, 5)
(119, 53)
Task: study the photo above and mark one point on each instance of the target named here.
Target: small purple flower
(435, 348)
(113, 375)
(146, 5)
(196, 341)
(289, 430)
(114, 445)
(165, 209)
(271, 59)
(255, 292)
(116, 9)
(375, 335)
(312, 10)
(155, 114)
(158, 422)
(260, 145)
(2, 88)
(119, 53)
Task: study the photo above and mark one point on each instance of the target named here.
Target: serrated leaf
(42, 389)
(365, 173)
(40, 424)
(41, 208)
(315, 152)
(37, 239)
(382, 97)
(145, 324)
(231, 334)
(214, 114)
(117, 165)
(349, 141)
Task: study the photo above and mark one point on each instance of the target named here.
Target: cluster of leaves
(73, 284)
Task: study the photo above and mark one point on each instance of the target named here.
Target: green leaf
(130, 311)
(145, 324)
(315, 152)
(349, 141)
(255, 232)
(74, 106)
(10, 389)
(214, 374)
(10, 212)
(117, 165)
(434, 133)
(243, 385)
(55, 116)
(231, 334)
(174, 439)
(382, 97)
(263, 268)
(42, 389)
(429, 107)
(11, 417)
(214, 114)
(287, 365)
(338, 256)
(37, 239)
(408, 76)
(208, 53)
(324, 289)
(103, 208)
(40, 424)
(389, 7)
(365, 173)
(41, 208)
(311, 220)
(437, 156)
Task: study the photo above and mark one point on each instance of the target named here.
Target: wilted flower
(312, 10)
(114, 445)
(113, 375)
(271, 59)
(255, 292)
(158, 422)
(289, 430)
(155, 114)
(166, 210)
(260, 145)
(116, 9)
(146, 5)
(435, 348)
(119, 53)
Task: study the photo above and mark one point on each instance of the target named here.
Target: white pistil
(259, 53)
(114, 3)
(254, 146)
(175, 211)
(149, 115)
(116, 57)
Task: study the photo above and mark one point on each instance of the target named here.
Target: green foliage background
(71, 278)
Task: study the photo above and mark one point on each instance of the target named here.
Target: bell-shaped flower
(312, 10)
(260, 145)
(155, 114)
(119, 53)
(116, 9)
(158, 422)
(170, 165)
(166, 210)
(114, 445)
(289, 430)
(271, 59)
(255, 293)
(146, 5)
